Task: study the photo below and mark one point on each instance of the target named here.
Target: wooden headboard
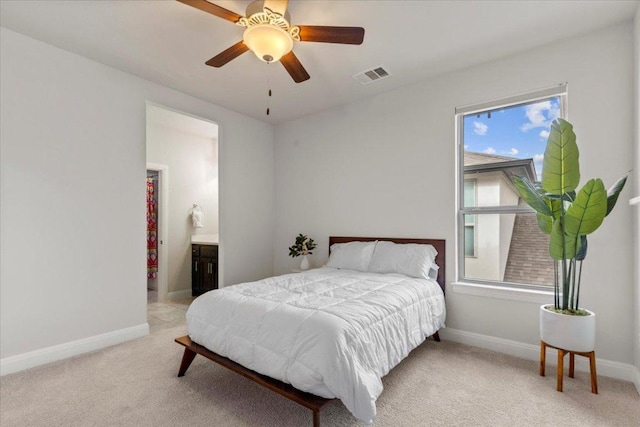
(439, 244)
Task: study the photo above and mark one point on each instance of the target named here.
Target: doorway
(188, 146)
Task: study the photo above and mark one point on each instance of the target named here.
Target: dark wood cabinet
(204, 268)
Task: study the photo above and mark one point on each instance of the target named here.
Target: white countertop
(205, 239)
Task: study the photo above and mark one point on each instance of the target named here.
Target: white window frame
(472, 285)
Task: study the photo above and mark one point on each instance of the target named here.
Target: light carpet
(439, 384)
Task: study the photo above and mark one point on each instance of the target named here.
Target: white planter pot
(304, 264)
(572, 333)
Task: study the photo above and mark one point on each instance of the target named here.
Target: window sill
(500, 292)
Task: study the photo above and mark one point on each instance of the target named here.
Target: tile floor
(162, 315)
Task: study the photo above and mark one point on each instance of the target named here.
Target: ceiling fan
(270, 36)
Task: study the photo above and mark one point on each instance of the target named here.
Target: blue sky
(520, 131)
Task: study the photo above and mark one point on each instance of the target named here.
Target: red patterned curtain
(152, 231)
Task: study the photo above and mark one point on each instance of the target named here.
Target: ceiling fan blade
(227, 55)
(294, 67)
(324, 34)
(213, 9)
(278, 6)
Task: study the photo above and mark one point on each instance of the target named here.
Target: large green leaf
(553, 202)
(555, 243)
(614, 192)
(545, 222)
(531, 195)
(560, 168)
(588, 210)
(556, 207)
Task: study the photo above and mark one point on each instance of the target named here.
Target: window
(469, 220)
(499, 242)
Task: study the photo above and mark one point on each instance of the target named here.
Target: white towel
(196, 218)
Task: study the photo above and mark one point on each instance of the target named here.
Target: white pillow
(433, 271)
(351, 256)
(410, 259)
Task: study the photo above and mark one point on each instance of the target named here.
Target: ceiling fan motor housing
(257, 8)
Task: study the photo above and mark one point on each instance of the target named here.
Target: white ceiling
(168, 42)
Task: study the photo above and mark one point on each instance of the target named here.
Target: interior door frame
(163, 229)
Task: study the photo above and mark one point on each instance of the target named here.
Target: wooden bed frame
(308, 400)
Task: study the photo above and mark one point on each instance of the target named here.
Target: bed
(327, 333)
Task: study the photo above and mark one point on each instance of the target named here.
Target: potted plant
(567, 215)
(303, 246)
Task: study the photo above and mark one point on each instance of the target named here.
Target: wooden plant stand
(313, 402)
(561, 353)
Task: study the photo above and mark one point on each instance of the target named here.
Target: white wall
(485, 264)
(385, 167)
(72, 194)
(189, 148)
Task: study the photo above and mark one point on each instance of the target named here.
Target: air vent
(373, 75)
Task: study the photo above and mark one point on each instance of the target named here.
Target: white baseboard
(178, 295)
(42, 356)
(607, 368)
(636, 379)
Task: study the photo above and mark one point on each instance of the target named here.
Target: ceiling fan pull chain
(268, 98)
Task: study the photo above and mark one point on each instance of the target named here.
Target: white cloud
(538, 157)
(480, 128)
(489, 150)
(466, 146)
(513, 151)
(540, 115)
(544, 134)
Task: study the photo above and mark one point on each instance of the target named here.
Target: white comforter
(333, 333)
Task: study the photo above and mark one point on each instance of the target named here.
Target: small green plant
(568, 217)
(303, 246)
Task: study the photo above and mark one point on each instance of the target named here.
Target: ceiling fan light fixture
(268, 42)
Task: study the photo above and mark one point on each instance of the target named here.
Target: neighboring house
(506, 247)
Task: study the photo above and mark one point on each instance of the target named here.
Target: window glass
(469, 220)
(508, 248)
(469, 240)
(499, 238)
(503, 143)
(469, 193)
